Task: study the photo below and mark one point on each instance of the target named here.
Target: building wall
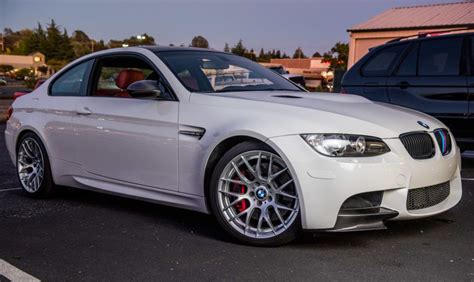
(18, 61)
(309, 63)
(361, 42)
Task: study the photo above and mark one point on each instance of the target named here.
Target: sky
(313, 25)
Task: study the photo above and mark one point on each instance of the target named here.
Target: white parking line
(14, 274)
(10, 189)
(468, 179)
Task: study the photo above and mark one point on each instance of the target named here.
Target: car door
(133, 140)
(59, 108)
(430, 79)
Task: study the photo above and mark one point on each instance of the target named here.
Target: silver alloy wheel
(257, 194)
(30, 165)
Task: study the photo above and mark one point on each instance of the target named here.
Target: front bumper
(325, 183)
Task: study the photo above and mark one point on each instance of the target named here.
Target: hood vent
(287, 96)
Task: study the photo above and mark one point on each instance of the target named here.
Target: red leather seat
(127, 77)
(123, 80)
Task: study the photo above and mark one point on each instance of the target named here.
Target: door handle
(403, 85)
(84, 111)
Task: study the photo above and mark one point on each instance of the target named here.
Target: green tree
(143, 39)
(199, 42)
(6, 68)
(285, 56)
(251, 55)
(12, 40)
(43, 69)
(239, 48)
(67, 51)
(81, 43)
(299, 54)
(317, 54)
(56, 64)
(54, 40)
(262, 57)
(32, 41)
(226, 48)
(99, 45)
(337, 57)
(80, 36)
(278, 54)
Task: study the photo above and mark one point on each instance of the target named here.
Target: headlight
(345, 145)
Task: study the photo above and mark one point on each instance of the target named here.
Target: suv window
(73, 81)
(381, 63)
(114, 74)
(440, 57)
(409, 63)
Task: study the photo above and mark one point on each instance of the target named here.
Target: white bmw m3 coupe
(217, 133)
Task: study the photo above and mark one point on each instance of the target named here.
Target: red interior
(123, 80)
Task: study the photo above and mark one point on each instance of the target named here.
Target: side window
(114, 74)
(409, 63)
(381, 63)
(440, 57)
(73, 82)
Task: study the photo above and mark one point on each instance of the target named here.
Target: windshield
(213, 72)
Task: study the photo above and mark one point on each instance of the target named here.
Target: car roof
(160, 49)
(427, 37)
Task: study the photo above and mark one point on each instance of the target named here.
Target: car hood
(296, 113)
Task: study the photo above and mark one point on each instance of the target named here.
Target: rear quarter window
(73, 81)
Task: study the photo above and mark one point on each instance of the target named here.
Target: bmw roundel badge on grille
(423, 124)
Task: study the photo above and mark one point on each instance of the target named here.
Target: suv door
(430, 79)
(369, 77)
(470, 82)
(133, 140)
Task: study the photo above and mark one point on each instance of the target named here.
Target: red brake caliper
(242, 205)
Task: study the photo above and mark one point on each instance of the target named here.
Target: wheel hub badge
(261, 193)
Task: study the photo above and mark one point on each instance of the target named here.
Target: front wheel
(254, 197)
(33, 167)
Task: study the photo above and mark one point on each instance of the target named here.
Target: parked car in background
(18, 94)
(296, 78)
(432, 74)
(3, 81)
(266, 158)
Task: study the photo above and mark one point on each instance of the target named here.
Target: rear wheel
(33, 167)
(254, 197)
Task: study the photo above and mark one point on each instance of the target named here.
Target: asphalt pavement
(80, 235)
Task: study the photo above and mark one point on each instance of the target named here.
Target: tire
(259, 207)
(33, 167)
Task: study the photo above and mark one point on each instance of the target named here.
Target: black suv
(432, 74)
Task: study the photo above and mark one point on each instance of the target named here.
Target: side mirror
(144, 89)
